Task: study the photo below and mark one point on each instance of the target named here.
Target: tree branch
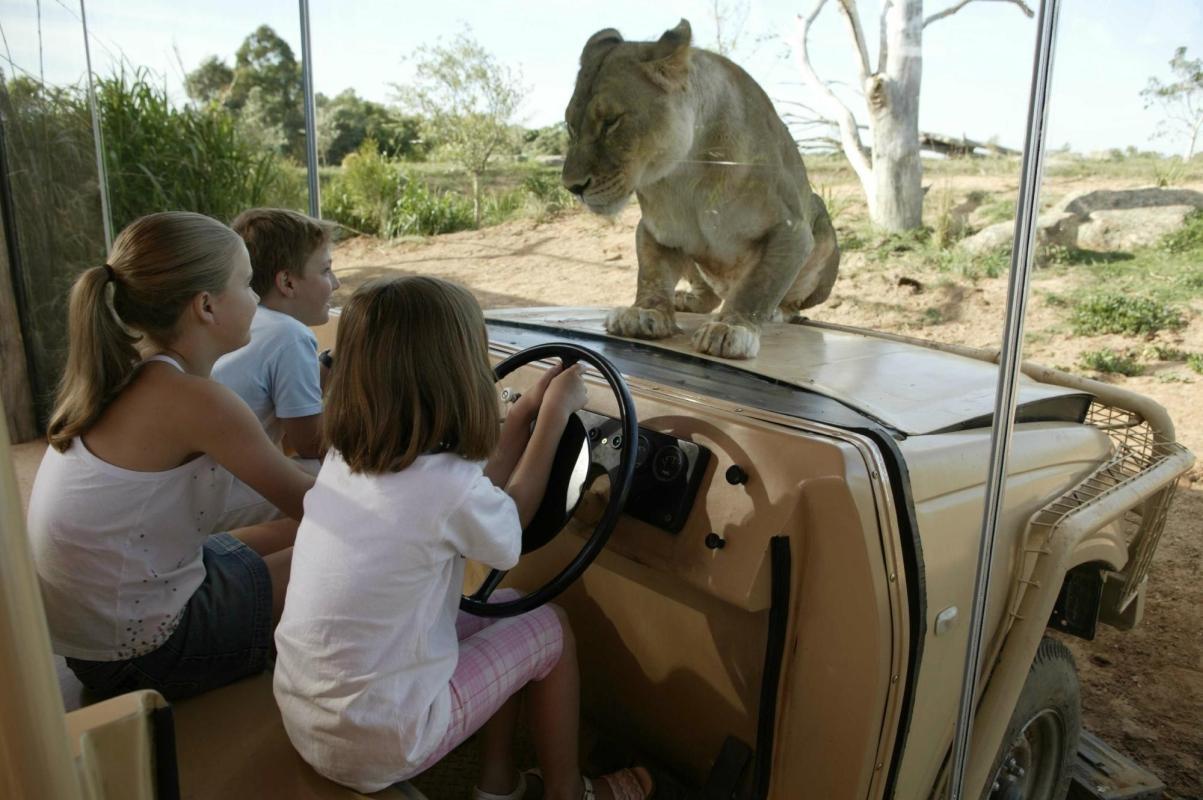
(852, 17)
(948, 12)
(853, 148)
(883, 43)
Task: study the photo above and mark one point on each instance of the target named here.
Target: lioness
(723, 191)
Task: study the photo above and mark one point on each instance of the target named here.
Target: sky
(977, 63)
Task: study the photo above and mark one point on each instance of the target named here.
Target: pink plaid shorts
(497, 657)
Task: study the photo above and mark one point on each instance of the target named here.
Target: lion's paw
(640, 323)
(727, 340)
(694, 302)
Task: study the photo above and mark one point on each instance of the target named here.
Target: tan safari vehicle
(769, 566)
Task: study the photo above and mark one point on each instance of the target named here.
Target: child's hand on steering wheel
(527, 404)
(567, 392)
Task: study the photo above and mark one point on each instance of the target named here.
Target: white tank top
(118, 552)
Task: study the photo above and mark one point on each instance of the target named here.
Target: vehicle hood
(908, 387)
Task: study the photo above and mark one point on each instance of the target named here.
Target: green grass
(1109, 361)
(1122, 313)
(999, 209)
(1195, 362)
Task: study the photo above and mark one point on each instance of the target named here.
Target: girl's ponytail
(100, 361)
(158, 264)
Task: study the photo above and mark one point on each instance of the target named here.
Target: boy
(278, 373)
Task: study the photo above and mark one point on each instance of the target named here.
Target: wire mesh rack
(1137, 448)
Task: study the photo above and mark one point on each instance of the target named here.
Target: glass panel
(52, 189)
(201, 107)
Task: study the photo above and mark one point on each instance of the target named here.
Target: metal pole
(315, 200)
(1008, 376)
(102, 175)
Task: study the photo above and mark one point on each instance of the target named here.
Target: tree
(729, 20)
(1181, 100)
(890, 172)
(210, 82)
(549, 141)
(468, 101)
(266, 79)
(346, 120)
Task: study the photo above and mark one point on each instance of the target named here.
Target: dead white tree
(890, 172)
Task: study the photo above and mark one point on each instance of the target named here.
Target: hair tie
(109, 271)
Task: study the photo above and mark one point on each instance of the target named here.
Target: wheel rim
(1032, 767)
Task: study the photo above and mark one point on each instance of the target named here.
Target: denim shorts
(225, 632)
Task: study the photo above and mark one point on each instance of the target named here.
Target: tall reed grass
(158, 157)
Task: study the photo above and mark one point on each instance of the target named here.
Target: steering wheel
(570, 473)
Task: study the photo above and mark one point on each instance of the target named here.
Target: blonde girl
(378, 675)
(140, 589)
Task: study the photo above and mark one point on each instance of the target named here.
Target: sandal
(624, 784)
(634, 783)
(518, 793)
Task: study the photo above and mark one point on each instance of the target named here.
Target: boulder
(1053, 229)
(1086, 203)
(1125, 229)
(1107, 220)
(550, 160)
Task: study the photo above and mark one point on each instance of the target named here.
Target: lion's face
(628, 122)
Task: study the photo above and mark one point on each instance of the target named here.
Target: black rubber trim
(774, 651)
(916, 586)
(736, 385)
(167, 773)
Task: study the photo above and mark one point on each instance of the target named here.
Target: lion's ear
(668, 63)
(602, 40)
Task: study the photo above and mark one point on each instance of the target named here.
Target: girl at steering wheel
(378, 674)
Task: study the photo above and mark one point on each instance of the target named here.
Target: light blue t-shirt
(276, 374)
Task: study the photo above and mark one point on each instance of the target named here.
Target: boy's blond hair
(412, 376)
(278, 240)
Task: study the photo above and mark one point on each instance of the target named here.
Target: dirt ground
(1142, 690)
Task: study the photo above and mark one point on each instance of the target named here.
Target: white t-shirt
(118, 552)
(276, 374)
(366, 647)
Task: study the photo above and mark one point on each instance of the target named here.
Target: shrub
(1188, 238)
(1160, 352)
(419, 211)
(1107, 360)
(1195, 362)
(497, 207)
(548, 193)
(365, 194)
(1117, 313)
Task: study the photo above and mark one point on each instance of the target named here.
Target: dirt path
(1143, 690)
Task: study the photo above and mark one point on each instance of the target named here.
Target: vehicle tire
(1042, 738)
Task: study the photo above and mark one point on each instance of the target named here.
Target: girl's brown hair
(158, 264)
(412, 376)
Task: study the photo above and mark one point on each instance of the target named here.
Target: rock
(1055, 228)
(1086, 203)
(550, 161)
(994, 237)
(1129, 228)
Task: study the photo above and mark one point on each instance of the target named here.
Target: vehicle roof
(910, 388)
